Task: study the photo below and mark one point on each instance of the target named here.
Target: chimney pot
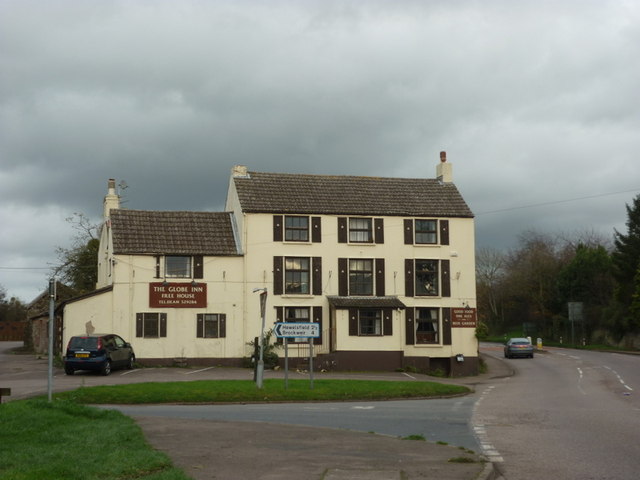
(443, 157)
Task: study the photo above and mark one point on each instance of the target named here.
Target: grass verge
(238, 391)
(64, 440)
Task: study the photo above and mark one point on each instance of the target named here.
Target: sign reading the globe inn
(177, 295)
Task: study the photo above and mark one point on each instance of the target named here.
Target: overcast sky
(536, 103)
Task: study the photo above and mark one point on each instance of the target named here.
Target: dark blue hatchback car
(102, 353)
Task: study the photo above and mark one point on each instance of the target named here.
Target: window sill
(297, 295)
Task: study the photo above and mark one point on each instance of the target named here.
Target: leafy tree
(12, 309)
(79, 263)
(490, 273)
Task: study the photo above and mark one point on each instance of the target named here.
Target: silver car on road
(518, 347)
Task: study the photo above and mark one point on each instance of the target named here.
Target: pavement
(208, 449)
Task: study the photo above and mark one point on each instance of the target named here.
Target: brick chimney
(444, 173)
(111, 200)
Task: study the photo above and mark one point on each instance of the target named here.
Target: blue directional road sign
(297, 330)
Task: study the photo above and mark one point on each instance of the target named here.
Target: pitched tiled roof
(349, 195)
(365, 302)
(177, 233)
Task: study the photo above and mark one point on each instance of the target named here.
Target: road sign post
(287, 330)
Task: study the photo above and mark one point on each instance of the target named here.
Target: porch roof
(365, 302)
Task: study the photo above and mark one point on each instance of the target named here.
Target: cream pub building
(385, 266)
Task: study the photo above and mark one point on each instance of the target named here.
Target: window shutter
(444, 232)
(317, 318)
(316, 230)
(157, 266)
(139, 325)
(198, 266)
(408, 278)
(387, 321)
(446, 280)
(343, 231)
(163, 324)
(223, 324)
(277, 228)
(379, 277)
(200, 326)
(408, 231)
(446, 326)
(316, 283)
(409, 326)
(378, 226)
(343, 277)
(278, 275)
(353, 322)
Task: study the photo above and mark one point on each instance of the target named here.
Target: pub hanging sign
(177, 295)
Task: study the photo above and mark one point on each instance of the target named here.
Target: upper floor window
(423, 231)
(426, 231)
(296, 229)
(426, 277)
(177, 266)
(360, 230)
(360, 276)
(296, 275)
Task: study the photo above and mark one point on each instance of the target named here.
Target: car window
(86, 343)
(119, 341)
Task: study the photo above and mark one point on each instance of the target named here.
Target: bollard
(4, 392)
(539, 345)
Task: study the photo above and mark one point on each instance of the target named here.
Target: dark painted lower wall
(343, 361)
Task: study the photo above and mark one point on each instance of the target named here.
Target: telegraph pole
(52, 320)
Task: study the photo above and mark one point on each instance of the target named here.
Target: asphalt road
(445, 420)
(565, 414)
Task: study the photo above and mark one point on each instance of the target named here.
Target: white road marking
(412, 377)
(480, 430)
(198, 371)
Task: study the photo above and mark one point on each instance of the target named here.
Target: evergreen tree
(626, 256)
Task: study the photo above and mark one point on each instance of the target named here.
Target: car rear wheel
(106, 368)
(68, 370)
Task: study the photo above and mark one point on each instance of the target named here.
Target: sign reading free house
(177, 295)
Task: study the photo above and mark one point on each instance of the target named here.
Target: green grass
(64, 440)
(240, 391)
(67, 440)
